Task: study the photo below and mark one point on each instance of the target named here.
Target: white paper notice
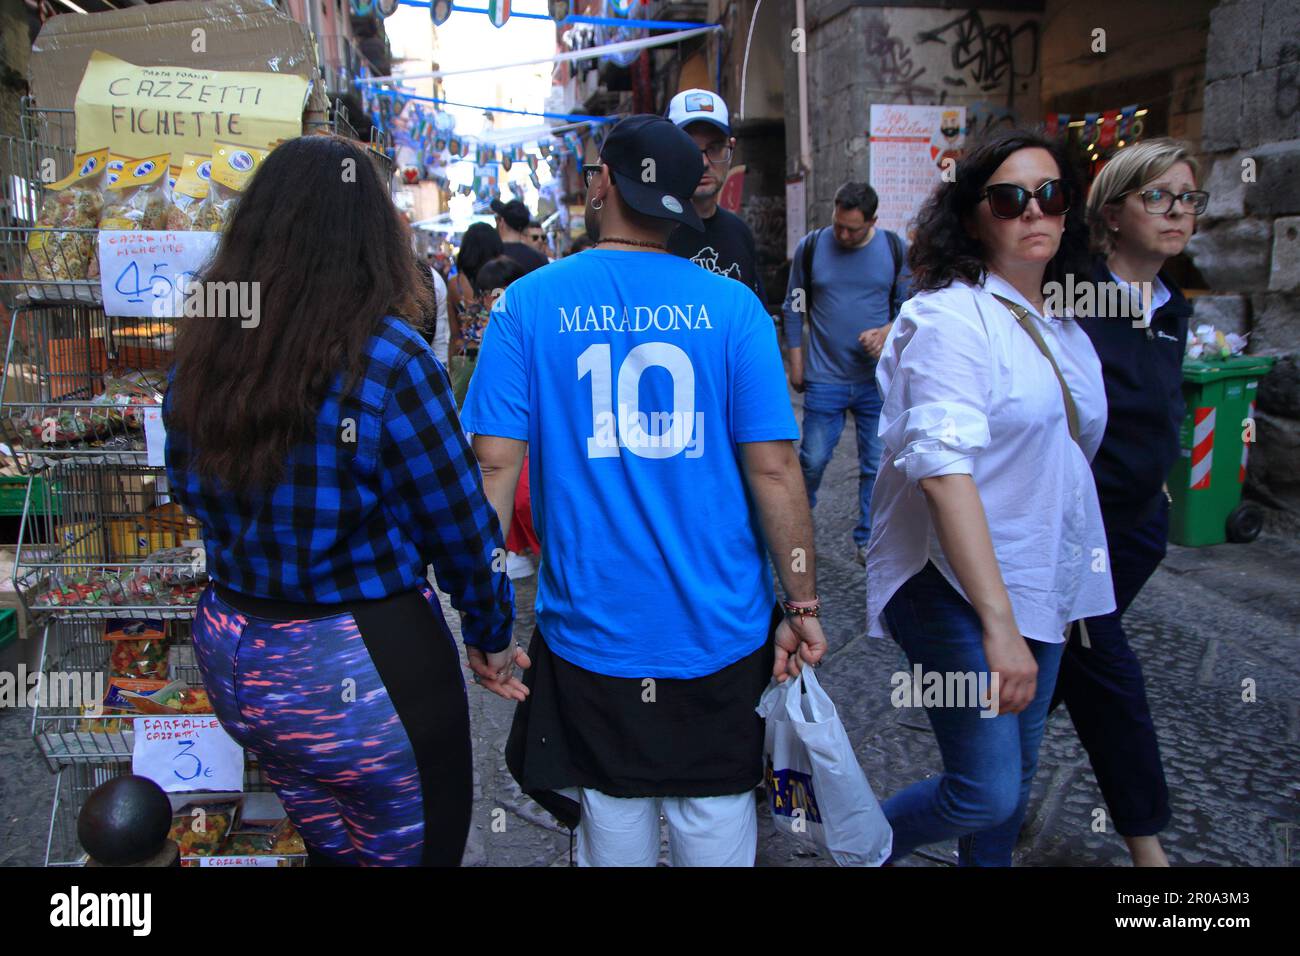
(155, 437)
(187, 753)
(910, 147)
(144, 273)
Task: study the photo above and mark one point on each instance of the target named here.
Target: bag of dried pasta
(72, 203)
(139, 199)
(233, 166)
(116, 164)
(188, 193)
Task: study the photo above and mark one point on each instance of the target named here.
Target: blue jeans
(988, 762)
(823, 421)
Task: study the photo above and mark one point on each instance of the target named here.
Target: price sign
(239, 861)
(187, 753)
(144, 273)
(155, 438)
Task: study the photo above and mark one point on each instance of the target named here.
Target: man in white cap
(726, 246)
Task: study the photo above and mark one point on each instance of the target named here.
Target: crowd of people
(625, 413)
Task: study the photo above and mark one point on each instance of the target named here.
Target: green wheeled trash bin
(1206, 482)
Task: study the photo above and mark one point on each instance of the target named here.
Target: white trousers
(702, 831)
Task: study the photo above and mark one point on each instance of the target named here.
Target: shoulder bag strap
(1027, 323)
(809, 246)
(1071, 412)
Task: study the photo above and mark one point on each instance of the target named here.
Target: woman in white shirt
(987, 539)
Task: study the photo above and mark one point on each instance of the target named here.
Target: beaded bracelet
(802, 609)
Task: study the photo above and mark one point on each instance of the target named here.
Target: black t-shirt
(726, 246)
(525, 255)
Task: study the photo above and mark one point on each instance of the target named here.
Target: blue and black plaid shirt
(388, 486)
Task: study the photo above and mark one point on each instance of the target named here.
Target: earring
(1114, 230)
(597, 204)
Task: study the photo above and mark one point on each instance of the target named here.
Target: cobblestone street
(1209, 619)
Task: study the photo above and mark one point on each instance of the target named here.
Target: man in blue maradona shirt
(650, 396)
(850, 285)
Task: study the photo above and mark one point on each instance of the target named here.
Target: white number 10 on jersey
(658, 435)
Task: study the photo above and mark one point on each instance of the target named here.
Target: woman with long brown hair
(320, 449)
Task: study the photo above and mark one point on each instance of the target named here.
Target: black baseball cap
(676, 168)
(514, 212)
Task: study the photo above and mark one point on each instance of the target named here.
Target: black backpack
(809, 246)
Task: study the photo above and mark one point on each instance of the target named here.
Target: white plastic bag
(816, 789)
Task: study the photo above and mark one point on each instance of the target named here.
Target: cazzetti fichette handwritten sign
(147, 110)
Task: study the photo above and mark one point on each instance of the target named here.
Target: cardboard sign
(143, 273)
(145, 110)
(187, 753)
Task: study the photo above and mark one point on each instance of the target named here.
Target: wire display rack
(69, 724)
(80, 383)
(98, 544)
(47, 240)
(76, 782)
(99, 538)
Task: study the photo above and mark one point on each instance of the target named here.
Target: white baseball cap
(694, 106)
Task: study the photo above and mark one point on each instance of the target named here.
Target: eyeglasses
(1158, 202)
(1009, 201)
(717, 152)
(589, 170)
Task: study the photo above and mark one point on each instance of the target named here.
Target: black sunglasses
(1008, 201)
(589, 170)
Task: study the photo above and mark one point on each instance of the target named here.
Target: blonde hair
(1127, 171)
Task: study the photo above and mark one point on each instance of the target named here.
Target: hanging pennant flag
(558, 9)
(1090, 127)
(1126, 120)
(440, 144)
(507, 158)
(1063, 123)
(532, 160)
(537, 183)
(456, 146)
(498, 12)
(1106, 138)
(620, 8)
(1049, 125)
(388, 7)
(440, 10)
(485, 154)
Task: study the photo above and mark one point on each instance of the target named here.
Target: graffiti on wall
(958, 58)
(993, 55)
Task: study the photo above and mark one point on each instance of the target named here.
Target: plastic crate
(8, 626)
(13, 494)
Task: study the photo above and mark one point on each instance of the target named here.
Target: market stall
(118, 191)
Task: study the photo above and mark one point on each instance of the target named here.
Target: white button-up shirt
(966, 391)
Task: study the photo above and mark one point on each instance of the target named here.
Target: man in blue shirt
(850, 284)
(649, 395)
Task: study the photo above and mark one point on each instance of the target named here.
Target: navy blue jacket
(1142, 369)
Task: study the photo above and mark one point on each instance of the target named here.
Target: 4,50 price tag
(187, 753)
(145, 273)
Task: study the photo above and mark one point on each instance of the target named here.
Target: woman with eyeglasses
(1142, 209)
(987, 537)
